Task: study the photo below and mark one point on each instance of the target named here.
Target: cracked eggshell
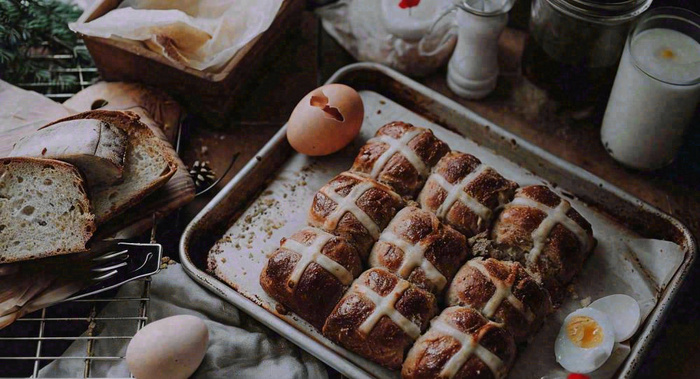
(326, 120)
(171, 348)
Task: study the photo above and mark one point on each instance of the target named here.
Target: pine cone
(202, 174)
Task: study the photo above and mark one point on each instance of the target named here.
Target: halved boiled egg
(585, 341)
(624, 313)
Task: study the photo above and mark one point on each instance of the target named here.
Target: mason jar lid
(602, 10)
(485, 7)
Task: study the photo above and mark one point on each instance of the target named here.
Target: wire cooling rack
(76, 64)
(35, 340)
(41, 337)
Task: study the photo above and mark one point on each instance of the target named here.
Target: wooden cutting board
(23, 112)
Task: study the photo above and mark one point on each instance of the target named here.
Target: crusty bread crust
(139, 132)
(100, 164)
(89, 228)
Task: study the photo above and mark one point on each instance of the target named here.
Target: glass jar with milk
(656, 90)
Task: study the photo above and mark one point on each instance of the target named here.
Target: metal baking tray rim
(627, 370)
(229, 294)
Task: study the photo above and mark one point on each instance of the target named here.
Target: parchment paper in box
(621, 263)
(203, 34)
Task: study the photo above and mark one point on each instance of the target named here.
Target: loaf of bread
(356, 208)
(96, 147)
(309, 273)
(461, 344)
(380, 316)
(417, 247)
(465, 193)
(544, 233)
(504, 293)
(149, 164)
(154, 106)
(44, 209)
(401, 156)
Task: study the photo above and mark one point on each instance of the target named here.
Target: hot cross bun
(400, 155)
(417, 247)
(380, 316)
(461, 344)
(309, 273)
(503, 292)
(464, 193)
(356, 208)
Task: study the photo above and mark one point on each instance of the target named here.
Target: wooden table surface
(309, 56)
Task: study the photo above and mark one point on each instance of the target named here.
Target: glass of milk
(656, 89)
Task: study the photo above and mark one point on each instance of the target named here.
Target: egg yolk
(584, 332)
(667, 53)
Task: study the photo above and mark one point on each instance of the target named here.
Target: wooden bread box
(210, 95)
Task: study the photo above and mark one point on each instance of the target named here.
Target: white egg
(171, 348)
(624, 313)
(585, 341)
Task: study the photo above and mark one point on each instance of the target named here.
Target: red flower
(408, 3)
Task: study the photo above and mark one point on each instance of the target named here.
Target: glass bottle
(473, 69)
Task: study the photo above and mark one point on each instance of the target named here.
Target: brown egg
(325, 120)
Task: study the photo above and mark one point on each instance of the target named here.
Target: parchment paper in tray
(621, 263)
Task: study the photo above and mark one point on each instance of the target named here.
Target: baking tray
(259, 179)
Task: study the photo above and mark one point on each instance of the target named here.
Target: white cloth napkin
(238, 346)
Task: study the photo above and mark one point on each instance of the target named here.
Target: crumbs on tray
(265, 215)
(165, 262)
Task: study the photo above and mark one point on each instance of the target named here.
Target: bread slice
(148, 164)
(44, 209)
(96, 147)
